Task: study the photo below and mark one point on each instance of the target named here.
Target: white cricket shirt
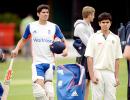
(42, 37)
(104, 51)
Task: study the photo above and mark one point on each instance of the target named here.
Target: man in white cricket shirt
(42, 34)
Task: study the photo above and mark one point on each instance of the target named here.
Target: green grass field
(21, 88)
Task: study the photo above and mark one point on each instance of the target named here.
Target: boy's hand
(117, 82)
(95, 80)
(14, 53)
(65, 53)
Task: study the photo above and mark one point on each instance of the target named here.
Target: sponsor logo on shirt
(100, 43)
(42, 40)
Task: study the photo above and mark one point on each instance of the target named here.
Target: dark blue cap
(57, 47)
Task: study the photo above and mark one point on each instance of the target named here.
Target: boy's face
(43, 15)
(105, 24)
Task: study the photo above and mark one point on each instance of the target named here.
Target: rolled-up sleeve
(90, 47)
(118, 51)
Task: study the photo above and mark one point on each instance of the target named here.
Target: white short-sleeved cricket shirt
(104, 51)
(42, 36)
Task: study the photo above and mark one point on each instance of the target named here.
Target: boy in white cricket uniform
(42, 34)
(103, 52)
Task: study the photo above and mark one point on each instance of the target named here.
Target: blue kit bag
(70, 82)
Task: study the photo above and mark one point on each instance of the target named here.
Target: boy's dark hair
(104, 16)
(42, 6)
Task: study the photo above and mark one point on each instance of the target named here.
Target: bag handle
(82, 72)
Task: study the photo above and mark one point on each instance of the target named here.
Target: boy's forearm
(116, 68)
(90, 66)
(66, 44)
(20, 44)
(126, 52)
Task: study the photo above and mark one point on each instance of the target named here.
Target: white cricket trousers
(105, 89)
